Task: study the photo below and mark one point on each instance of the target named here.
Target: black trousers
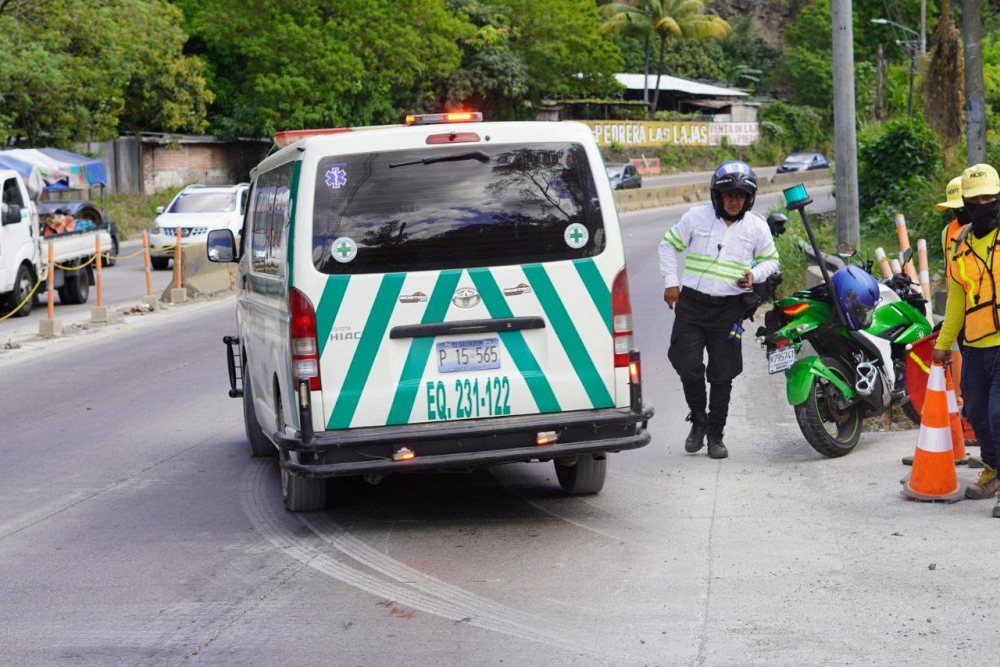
(699, 327)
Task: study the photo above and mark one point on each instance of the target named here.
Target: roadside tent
(61, 170)
(84, 172)
(29, 172)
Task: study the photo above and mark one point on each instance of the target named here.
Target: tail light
(795, 309)
(621, 319)
(305, 352)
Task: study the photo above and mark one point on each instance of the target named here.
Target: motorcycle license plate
(780, 359)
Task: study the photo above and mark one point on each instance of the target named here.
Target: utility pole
(975, 99)
(923, 27)
(844, 125)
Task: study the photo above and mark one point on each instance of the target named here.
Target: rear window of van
(455, 207)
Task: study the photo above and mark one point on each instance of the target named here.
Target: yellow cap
(954, 195)
(980, 179)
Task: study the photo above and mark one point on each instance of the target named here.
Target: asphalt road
(135, 529)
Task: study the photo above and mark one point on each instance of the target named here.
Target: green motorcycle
(858, 368)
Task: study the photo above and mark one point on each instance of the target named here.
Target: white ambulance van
(437, 296)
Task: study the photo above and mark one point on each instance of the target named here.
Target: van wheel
(302, 494)
(23, 283)
(259, 444)
(581, 475)
(159, 263)
(76, 288)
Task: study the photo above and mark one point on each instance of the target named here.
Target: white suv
(196, 210)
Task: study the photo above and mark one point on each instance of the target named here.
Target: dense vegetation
(79, 70)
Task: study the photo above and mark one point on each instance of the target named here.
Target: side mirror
(160, 209)
(221, 246)
(905, 256)
(11, 214)
(776, 222)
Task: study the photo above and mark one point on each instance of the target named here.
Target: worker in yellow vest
(973, 309)
(956, 205)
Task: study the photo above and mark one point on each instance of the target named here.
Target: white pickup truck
(24, 252)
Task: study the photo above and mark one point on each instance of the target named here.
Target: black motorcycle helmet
(733, 176)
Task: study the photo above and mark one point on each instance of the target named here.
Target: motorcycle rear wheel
(830, 430)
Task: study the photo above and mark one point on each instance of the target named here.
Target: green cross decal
(344, 249)
(576, 235)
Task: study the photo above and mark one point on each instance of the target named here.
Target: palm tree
(666, 19)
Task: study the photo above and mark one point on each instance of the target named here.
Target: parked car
(196, 210)
(85, 210)
(803, 162)
(623, 176)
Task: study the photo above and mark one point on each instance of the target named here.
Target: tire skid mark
(419, 591)
(518, 485)
(494, 615)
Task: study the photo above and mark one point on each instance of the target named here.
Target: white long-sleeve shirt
(717, 255)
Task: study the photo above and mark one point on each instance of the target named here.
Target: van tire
(302, 494)
(260, 446)
(581, 475)
(76, 288)
(159, 263)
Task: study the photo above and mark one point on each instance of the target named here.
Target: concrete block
(50, 328)
(813, 276)
(102, 315)
(175, 295)
(151, 302)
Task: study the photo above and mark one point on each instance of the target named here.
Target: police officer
(728, 249)
(973, 309)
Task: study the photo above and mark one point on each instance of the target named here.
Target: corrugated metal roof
(672, 83)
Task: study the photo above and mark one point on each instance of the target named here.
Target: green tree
(493, 76)
(315, 63)
(668, 20)
(562, 45)
(85, 69)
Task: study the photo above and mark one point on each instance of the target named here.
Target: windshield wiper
(474, 155)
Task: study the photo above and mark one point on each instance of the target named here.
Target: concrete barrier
(201, 277)
(671, 195)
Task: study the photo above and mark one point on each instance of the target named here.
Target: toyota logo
(466, 298)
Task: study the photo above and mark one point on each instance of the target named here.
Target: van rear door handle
(466, 327)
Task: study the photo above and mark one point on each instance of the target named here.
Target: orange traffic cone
(957, 436)
(933, 476)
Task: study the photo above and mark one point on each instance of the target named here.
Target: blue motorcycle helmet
(858, 294)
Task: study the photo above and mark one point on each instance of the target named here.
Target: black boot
(716, 448)
(699, 426)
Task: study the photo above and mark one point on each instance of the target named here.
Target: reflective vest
(980, 278)
(949, 236)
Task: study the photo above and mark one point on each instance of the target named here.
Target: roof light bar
(439, 118)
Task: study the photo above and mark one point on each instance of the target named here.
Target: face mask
(962, 217)
(984, 217)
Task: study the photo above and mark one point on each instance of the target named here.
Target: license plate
(468, 355)
(780, 359)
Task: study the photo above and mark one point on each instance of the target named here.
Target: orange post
(177, 260)
(883, 263)
(100, 295)
(904, 244)
(894, 265)
(925, 276)
(51, 282)
(149, 268)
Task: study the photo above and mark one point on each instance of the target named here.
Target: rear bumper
(463, 445)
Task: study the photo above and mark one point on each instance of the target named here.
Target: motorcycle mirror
(846, 250)
(776, 222)
(905, 256)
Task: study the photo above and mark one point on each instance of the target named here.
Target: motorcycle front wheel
(829, 426)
